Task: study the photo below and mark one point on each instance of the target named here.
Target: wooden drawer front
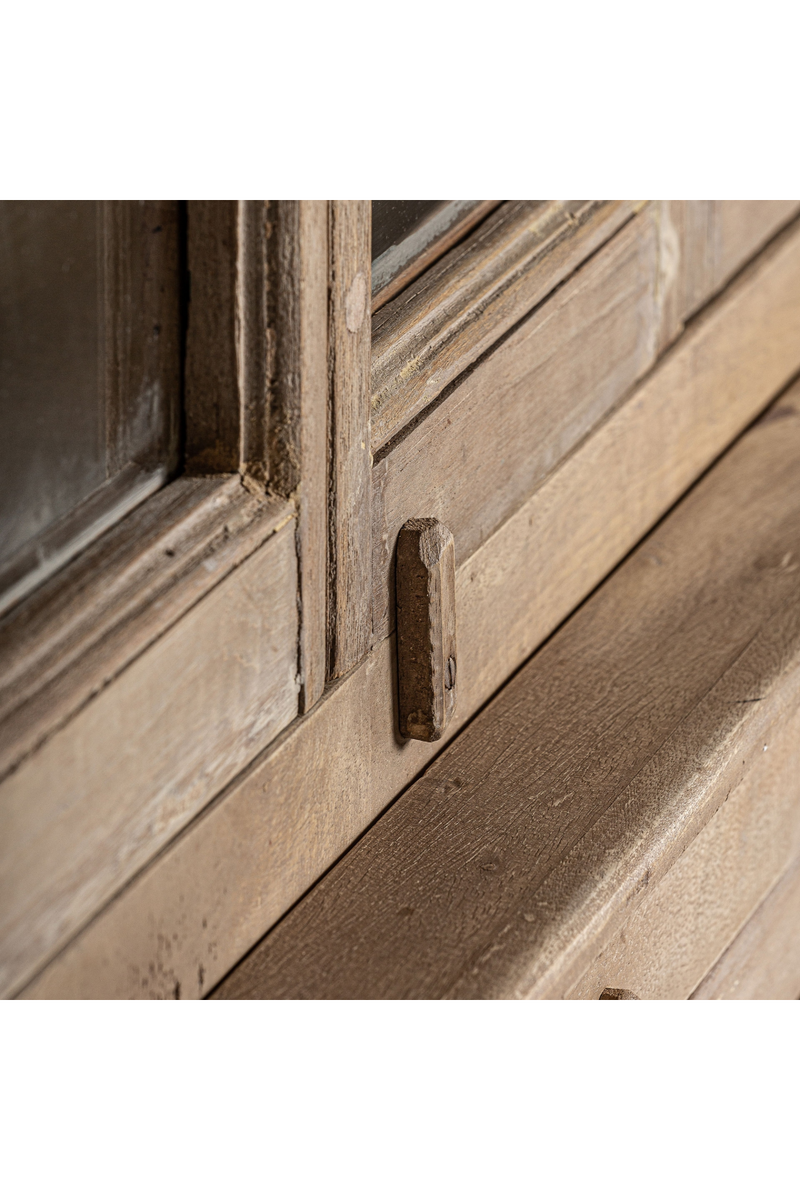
(683, 926)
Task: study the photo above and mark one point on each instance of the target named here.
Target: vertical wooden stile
(349, 528)
(257, 375)
(298, 412)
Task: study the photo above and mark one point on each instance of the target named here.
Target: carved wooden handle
(426, 628)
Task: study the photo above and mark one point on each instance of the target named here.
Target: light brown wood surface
(474, 460)
(482, 451)
(704, 243)
(685, 923)
(79, 630)
(440, 325)
(131, 768)
(286, 819)
(298, 260)
(349, 556)
(763, 961)
(537, 834)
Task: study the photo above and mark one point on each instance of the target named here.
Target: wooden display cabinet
(199, 711)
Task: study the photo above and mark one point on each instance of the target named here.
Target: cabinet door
(546, 388)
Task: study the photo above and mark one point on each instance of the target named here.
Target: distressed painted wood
(498, 434)
(426, 628)
(478, 456)
(349, 553)
(441, 324)
(297, 313)
(78, 631)
(111, 787)
(535, 836)
(763, 961)
(683, 924)
(704, 243)
(278, 827)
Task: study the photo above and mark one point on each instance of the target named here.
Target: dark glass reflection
(52, 453)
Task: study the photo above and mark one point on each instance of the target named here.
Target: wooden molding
(278, 827)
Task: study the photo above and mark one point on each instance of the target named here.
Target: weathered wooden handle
(426, 628)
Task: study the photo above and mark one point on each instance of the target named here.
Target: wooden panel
(83, 627)
(704, 243)
(763, 961)
(114, 785)
(298, 258)
(535, 835)
(474, 460)
(250, 857)
(481, 452)
(350, 563)
(684, 924)
(440, 325)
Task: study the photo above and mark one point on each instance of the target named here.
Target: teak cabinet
(199, 712)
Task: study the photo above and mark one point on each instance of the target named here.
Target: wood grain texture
(75, 635)
(474, 460)
(535, 835)
(349, 548)
(763, 961)
(441, 325)
(705, 242)
(237, 869)
(298, 258)
(425, 338)
(111, 787)
(426, 628)
(685, 922)
(478, 456)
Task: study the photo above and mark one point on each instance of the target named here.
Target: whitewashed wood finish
(685, 923)
(108, 790)
(79, 630)
(191, 915)
(535, 836)
(492, 440)
(763, 960)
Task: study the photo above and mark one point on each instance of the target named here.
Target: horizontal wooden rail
(441, 325)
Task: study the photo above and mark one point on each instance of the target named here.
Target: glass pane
(408, 235)
(52, 453)
(89, 374)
